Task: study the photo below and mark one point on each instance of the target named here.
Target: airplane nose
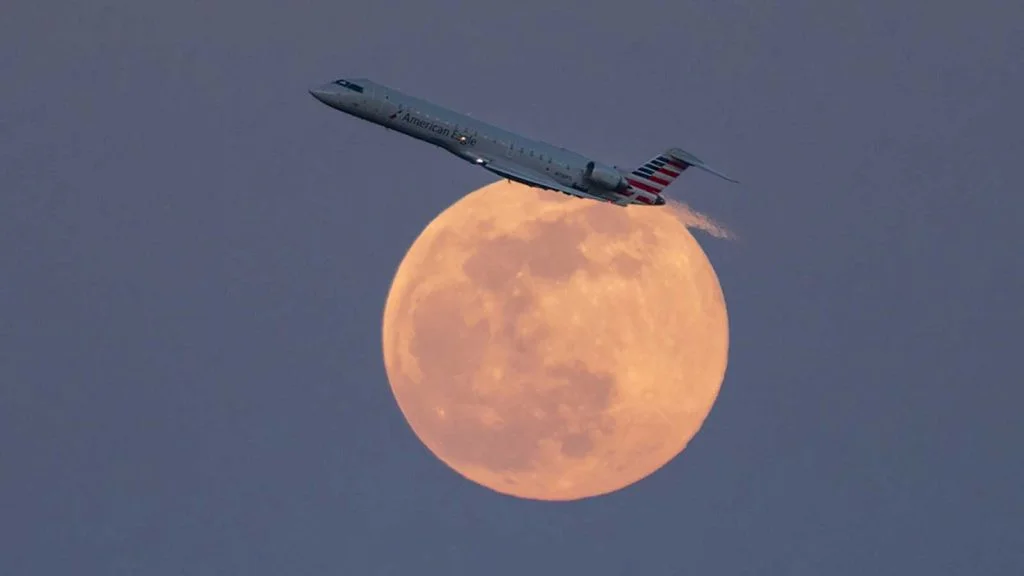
(659, 201)
(320, 94)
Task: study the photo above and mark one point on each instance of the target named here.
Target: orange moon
(554, 348)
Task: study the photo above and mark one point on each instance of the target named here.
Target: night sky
(195, 255)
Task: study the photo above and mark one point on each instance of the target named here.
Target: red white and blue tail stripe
(656, 174)
(647, 182)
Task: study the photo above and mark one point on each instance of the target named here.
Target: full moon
(554, 348)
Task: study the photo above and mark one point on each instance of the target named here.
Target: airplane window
(350, 85)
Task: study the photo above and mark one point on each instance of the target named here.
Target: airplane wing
(531, 178)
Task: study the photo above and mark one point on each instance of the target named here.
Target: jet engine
(605, 177)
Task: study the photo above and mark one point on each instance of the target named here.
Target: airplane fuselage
(509, 155)
(471, 139)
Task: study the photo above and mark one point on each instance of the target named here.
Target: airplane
(508, 155)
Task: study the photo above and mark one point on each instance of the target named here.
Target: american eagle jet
(510, 156)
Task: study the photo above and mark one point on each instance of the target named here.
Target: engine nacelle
(605, 177)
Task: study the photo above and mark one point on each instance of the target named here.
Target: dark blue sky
(194, 256)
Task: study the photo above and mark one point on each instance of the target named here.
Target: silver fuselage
(470, 139)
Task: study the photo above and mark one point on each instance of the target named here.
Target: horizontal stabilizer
(691, 160)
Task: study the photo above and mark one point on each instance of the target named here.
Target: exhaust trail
(694, 219)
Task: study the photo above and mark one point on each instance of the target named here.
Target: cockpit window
(350, 85)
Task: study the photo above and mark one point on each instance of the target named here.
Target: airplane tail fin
(657, 173)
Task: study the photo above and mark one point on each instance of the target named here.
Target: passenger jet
(506, 154)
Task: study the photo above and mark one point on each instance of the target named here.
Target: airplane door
(388, 107)
(511, 147)
(370, 99)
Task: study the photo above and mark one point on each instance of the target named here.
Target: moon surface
(554, 348)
